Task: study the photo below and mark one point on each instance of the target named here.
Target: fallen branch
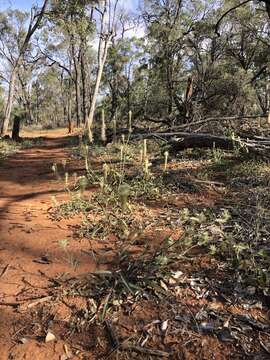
(179, 141)
(3, 272)
(220, 119)
(143, 350)
(40, 299)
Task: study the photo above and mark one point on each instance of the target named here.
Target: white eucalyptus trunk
(9, 103)
(90, 118)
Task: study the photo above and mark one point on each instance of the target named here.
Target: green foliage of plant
(131, 278)
(218, 155)
(7, 148)
(69, 257)
(111, 208)
(251, 167)
(30, 143)
(226, 235)
(76, 205)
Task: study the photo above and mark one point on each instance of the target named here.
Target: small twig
(40, 301)
(266, 349)
(4, 270)
(185, 252)
(146, 351)
(113, 336)
(15, 304)
(105, 305)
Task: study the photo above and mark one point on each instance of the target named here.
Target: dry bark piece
(164, 325)
(23, 340)
(50, 337)
(4, 270)
(39, 301)
(44, 260)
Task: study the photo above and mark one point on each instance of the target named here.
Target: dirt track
(28, 236)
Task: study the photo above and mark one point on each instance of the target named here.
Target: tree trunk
(103, 127)
(8, 107)
(16, 128)
(114, 100)
(169, 85)
(83, 77)
(77, 91)
(69, 110)
(96, 90)
(267, 6)
(78, 102)
(33, 26)
(93, 105)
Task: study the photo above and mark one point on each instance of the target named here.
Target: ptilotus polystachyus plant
(86, 154)
(54, 201)
(75, 177)
(121, 154)
(144, 149)
(124, 193)
(103, 126)
(82, 184)
(146, 168)
(64, 164)
(66, 179)
(130, 121)
(166, 155)
(114, 128)
(106, 170)
(55, 171)
(141, 156)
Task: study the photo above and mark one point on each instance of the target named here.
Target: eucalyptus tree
(106, 11)
(169, 24)
(190, 72)
(118, 69)
(49, 94)
(15, 39)
(26, 74)
(233, 5)
(74, 21)
(163, 20)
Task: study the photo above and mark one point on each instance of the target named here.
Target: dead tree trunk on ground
(179, 141)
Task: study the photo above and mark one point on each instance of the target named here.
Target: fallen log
(201, 141)
(179, 141)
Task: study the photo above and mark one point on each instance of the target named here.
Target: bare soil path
(29, 240)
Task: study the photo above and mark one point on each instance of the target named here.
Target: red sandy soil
(27, 234)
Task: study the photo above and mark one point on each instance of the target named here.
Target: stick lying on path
(127, 346)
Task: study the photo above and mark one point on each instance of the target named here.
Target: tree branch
(226, 13)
